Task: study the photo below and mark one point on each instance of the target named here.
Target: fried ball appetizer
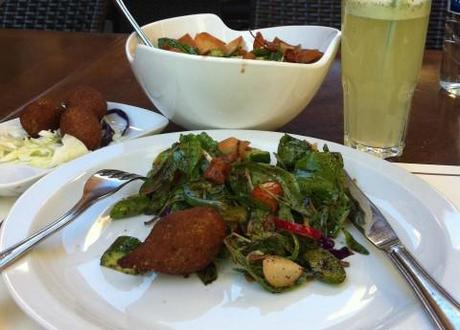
(180, 244)
(43, 114)
(83, 125)
(89, 99)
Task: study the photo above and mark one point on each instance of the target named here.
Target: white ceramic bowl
(207, 92)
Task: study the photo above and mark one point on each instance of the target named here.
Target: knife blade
(440, 306)
(375, 228)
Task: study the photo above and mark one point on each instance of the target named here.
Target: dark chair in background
(150, 11)
(61, 15)
(268, 13)
(235, 13)
(90, 15)
(102, 15)
(436, 25)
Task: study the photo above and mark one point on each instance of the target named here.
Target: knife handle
(442, 308)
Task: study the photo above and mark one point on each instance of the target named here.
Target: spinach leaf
(321, 177)
(325, 266)
(168, 43)
(208, 144)
(317, 189)
(331, 217)
(195, 198)
(285, 213)
(189, 155)
(163, 170)
(354, 245)
(261, 52)
(325, 165)
(275, 56)
(273, 244)
(130, 206)
(290, 150)
(122, 246)
(259, 225)
(267, 54)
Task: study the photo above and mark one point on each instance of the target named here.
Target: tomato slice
(267, 193)
(218, 170)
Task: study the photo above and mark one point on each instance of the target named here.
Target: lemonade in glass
(382, 50)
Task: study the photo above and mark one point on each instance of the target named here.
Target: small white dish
(61, 284)
(15, 178)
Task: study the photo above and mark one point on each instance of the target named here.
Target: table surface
(38, 63)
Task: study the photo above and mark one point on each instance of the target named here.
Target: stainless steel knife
(441, 307)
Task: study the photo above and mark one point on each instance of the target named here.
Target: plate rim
(370, 161)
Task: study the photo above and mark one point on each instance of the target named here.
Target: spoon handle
(133, 23)
(9, 255)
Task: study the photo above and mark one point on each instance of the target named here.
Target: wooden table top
(38, 63)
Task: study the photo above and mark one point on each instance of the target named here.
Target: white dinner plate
(62, 286)
(15, 178)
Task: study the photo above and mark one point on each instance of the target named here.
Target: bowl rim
(325, 59)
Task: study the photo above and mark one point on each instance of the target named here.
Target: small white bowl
(199, 92)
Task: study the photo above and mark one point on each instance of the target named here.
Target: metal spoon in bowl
(145, 40)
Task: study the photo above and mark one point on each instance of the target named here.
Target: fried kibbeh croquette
(43, 114)
(83, 125)
(180, 244)
(87, 98)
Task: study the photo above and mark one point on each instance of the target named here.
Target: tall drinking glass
(382, 50)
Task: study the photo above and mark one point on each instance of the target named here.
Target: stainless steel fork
(101, 184)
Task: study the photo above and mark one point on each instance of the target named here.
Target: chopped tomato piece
(283, 46)
(218, 170)
(302, 55)
(259, 41)
(267, 193)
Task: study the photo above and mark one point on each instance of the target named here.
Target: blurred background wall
(102, 16)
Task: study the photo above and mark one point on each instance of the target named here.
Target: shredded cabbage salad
(48, 150)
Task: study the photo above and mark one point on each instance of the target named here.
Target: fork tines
(116, 174)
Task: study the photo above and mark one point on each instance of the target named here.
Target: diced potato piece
(233, 145)
(205, 42)
(187, 40)
(281, 272)
(228, 145)
(234, 45)
(259, 41)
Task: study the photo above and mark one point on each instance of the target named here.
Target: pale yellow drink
(382, 49)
